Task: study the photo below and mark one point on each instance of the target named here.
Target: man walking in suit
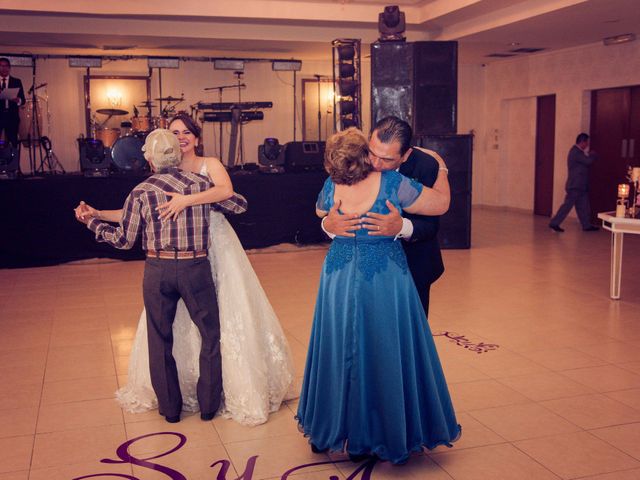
(176, 267)
(9, 116)
(579, 161)
(390, 149)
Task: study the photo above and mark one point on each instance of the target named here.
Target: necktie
(4, 84)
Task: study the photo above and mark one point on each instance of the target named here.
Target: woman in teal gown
(373, 383)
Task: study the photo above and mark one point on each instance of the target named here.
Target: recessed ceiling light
(527, 50)
(615, 40)
(118, 47)
(514, 44)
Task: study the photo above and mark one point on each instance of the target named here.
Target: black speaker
(94, 160)
(391, 81)
(435, 79)
(304, 156)
(457, 151)
(417, 82)
(9, 160)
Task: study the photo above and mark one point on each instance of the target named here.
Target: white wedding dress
(257, 367)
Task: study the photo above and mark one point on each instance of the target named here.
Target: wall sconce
(114, 97)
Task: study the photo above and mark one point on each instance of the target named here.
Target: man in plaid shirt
(176, 267)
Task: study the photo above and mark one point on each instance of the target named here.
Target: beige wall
(503, 168)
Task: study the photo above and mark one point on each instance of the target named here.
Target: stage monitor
(9, 160)
(304, 156)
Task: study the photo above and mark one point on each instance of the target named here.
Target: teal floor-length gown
(373, 382)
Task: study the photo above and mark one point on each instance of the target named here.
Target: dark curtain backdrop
(39, 228)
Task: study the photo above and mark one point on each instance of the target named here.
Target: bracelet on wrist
(445, 169)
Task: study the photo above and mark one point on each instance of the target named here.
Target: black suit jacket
(13, 107)
(578, 164)
(423, 249)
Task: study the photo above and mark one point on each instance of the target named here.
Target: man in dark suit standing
(9, 117)
(579, 161)
(390, 149)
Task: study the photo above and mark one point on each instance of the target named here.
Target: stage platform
(39, 227)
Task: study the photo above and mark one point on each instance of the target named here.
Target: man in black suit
(9, 117)
(579, 161)
(390, 149)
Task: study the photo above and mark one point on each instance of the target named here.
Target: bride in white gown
(257, 367)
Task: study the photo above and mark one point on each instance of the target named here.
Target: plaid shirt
(190, 232)
(234, 204)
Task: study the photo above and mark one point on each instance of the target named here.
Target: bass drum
(27, 128)
(127, 155)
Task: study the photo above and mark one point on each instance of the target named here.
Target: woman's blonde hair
(346, 157)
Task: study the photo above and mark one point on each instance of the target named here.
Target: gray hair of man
(162, 149)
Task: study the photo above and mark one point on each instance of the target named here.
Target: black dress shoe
(591, 228)
(357, 458)
(556, 228)
(174, 419)
(315, 449)
(207, 416)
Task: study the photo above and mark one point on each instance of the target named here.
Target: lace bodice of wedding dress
(257, 367)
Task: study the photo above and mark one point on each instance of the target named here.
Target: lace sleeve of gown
(408, 191)
(325, 197)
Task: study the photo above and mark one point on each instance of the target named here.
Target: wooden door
(545, 145)
(610, 140)
(633, 153)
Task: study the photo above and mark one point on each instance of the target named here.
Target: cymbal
(170, 99)
(111, 111)
(147, 104)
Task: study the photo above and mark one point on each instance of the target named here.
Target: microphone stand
(34, 128)
(238, 112)
(319, 109)
(220, 89)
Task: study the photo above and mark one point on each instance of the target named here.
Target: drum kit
(124, 144)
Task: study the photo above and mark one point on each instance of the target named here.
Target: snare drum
(141, 124)
(108, 136)
(127, 155)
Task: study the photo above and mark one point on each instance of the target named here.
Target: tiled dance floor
(547, 388)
